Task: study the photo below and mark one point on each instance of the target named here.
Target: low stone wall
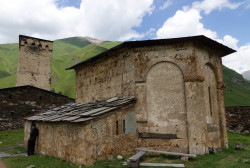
(20, 102)
(238, 119)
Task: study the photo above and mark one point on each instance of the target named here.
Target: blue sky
(226, 21)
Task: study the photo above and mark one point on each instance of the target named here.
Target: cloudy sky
(226, 21)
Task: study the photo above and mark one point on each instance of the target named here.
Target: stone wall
(179, 91)
(20, 102)
(87, 142)
(34, 62)
(238, 119)
(105, 78)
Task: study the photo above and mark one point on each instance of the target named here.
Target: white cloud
(209, 5)
(184, 23)
(187, 22)
(106, 20)
(239, 61)
(229, 41)
(166, 4)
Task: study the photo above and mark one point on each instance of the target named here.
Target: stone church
(164, 94)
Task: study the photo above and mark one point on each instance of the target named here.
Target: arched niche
(166, 100)
(211, 106)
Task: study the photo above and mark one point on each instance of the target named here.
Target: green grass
(16, 150)
(236, 93)
(228, 158)
(110, 44)
(38, 161)
(11, 138)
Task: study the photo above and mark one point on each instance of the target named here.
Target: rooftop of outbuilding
(81, 112)
(201, 39)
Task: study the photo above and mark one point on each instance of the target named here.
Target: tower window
(124, 128)
(117, 127)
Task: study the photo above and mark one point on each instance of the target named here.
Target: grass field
(228, 158)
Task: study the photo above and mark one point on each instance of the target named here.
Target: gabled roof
(79, 112)
(130, 44)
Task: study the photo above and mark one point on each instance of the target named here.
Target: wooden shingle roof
(79, 112)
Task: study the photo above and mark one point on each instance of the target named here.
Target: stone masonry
(20, 102)
(34, 62)
(178, 84)
(238, 119)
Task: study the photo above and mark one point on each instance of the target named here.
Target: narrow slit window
(124, 127)
(117, 127)
(210, 100)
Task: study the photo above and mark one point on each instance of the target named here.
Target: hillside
(66, 52)
(69, 51)
(237, 92)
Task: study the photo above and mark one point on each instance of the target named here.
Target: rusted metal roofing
(132, 44)
(79, 112)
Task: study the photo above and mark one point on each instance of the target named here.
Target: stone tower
(34, 62)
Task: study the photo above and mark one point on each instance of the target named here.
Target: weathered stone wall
(85, 143)
(20, 102)
(34, 62)
(238, 119)
(179, 91)
(105, 78)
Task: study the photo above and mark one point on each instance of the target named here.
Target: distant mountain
(246, 75)
(69, 51)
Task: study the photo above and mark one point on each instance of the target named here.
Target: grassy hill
(66, 52)
(237, 92)
(69, 51)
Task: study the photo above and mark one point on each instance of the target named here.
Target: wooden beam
(134, 161)
(166, 153)
(157, 136)
(137, 156)
(157, 165)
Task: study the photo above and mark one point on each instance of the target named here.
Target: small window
(124, 127)
(11, 113)
(40, 98)
(210, 100)
(10, 97)
(117, 127)
(33, 44)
